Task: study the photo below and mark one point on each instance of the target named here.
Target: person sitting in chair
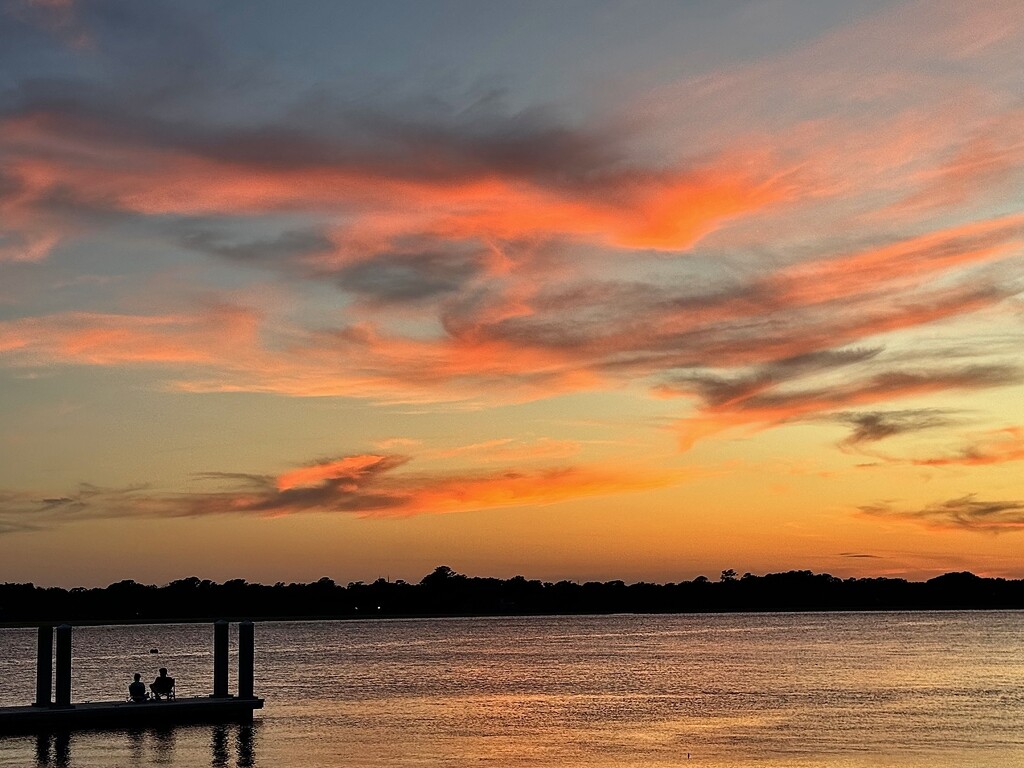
(163, 685)
(137, 689)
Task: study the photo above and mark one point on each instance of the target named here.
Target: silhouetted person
(163, 685)
(137, 689)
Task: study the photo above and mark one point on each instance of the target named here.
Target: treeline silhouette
(447, 593)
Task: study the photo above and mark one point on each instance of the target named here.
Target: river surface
(836, 690)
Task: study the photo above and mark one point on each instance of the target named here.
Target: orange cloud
(520, 488)
(367, 485)
(90, 164)
(485, 356)
(109, 340)
(668, 211)
(349, 468)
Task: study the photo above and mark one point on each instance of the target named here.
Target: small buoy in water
(154, 650)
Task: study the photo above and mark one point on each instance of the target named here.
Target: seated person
(137, 689)
(163, 685)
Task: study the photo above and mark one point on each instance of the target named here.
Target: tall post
(220, 659)
(63, 697)
(246, 659)
(44, 667)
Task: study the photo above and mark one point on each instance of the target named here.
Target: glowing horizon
(567, 292)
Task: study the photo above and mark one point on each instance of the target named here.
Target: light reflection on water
(732, 691)
(221, 746)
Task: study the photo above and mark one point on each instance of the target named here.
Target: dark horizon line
(728, 574)
(444, 592)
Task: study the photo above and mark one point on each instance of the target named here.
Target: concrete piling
(63, 690)
(44, 667)
(246, 659)
(220, 659)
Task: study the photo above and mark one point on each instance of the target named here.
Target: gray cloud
(404, 277)
(872, 426)
(894, 383)
(278, 250)
(342, 490)
(743, 390)
(966, 513)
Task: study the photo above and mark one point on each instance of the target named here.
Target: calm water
(899, 690)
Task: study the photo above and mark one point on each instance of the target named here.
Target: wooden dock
(127, 714)
(58, 713)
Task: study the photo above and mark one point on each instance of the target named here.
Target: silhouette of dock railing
(54, 710)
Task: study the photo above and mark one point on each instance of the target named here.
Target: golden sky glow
(573, 292)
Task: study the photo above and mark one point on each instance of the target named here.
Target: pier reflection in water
(226, 745)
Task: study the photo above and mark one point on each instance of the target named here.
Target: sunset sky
(582, 290)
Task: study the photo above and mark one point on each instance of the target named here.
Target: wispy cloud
(872, 426)
(986, 163)
(105, 339)
(514, 450)
(996, 447)
(369, 485)
(770, 405)
(964, 513)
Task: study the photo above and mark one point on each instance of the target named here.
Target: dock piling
(246, 659)
(220, 659)
(63, 697)
(44, 667)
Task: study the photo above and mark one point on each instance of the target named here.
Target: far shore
(446, 594)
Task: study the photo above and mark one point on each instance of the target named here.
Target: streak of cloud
(368, 485)
(964, 513)
(873, 426)
(762, 408)
(996, 447)
(512, 450)
(108, 340)
(476, 178)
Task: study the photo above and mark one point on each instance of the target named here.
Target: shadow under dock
(119, 714)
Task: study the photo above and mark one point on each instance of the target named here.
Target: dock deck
(121, 714)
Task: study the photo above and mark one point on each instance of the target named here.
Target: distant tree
(439, 576)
